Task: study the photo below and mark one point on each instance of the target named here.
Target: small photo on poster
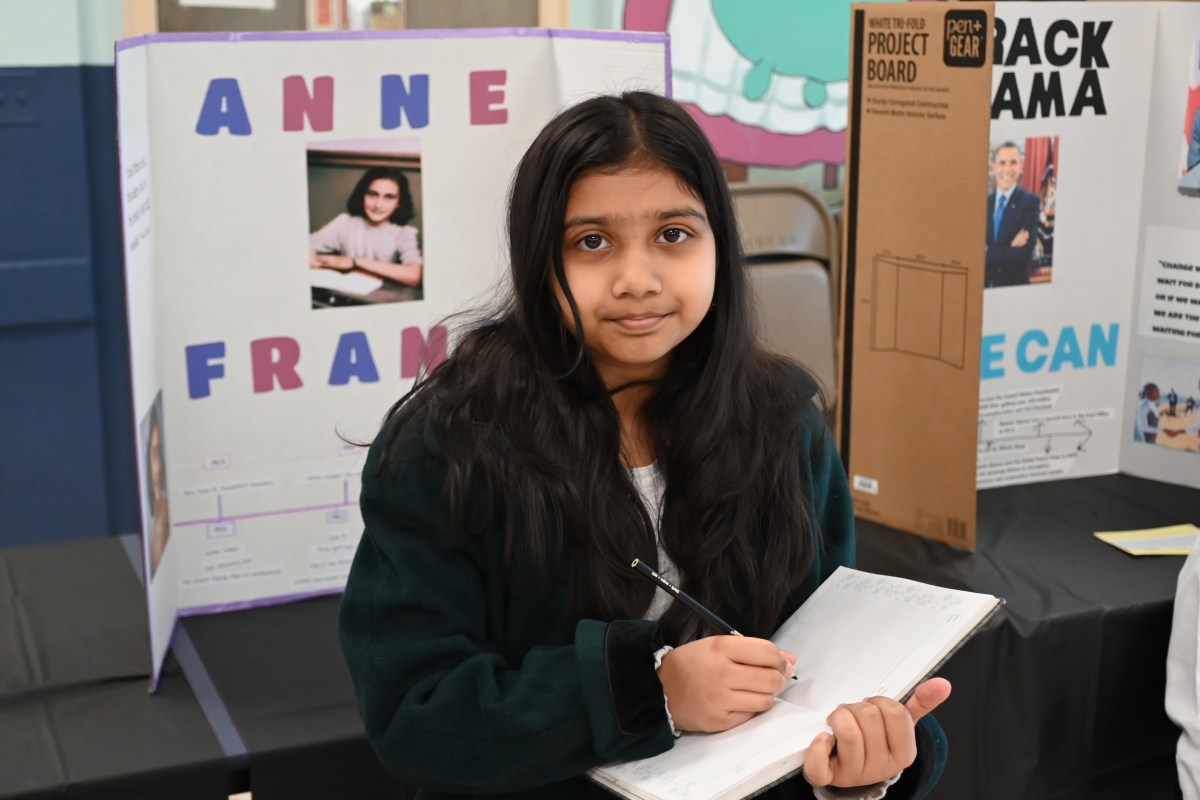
(1189, 181)
(365, 212)
(1168, 404)
(155, 490)
(1021, 211)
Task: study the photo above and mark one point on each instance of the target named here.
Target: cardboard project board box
(259, 355)
(913, 269)
(1089, 340)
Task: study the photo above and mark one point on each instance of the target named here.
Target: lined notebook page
(705, 765)
(861, 635)
(858, 635)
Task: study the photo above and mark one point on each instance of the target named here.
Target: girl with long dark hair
(615, 407)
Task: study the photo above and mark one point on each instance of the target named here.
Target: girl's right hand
(719, 682)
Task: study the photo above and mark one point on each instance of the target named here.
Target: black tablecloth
(281, 676)
(1062, 695)
(76, 719)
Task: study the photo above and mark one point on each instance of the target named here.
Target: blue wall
(66, 431)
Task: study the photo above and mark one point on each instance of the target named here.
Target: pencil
(686, 599)
(682, 596)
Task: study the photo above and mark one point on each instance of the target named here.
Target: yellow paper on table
(1173, 540)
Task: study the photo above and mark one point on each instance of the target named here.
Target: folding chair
(790, 241)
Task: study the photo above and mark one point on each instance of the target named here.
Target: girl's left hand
(875, 738)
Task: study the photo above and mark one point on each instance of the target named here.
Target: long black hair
(532, 437)
(405, 210)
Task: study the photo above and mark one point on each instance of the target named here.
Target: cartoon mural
(768, 80)
(800, 40)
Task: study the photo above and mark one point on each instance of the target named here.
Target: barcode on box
(865, 484)
(956, 529)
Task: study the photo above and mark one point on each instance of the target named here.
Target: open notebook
(859, 635)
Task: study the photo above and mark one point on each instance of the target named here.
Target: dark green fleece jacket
(472, 685)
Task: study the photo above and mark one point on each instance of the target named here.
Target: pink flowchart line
(278, 512)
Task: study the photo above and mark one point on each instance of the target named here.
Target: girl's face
(380, 200)
(640, 259)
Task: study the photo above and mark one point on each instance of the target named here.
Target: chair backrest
(790, 241)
